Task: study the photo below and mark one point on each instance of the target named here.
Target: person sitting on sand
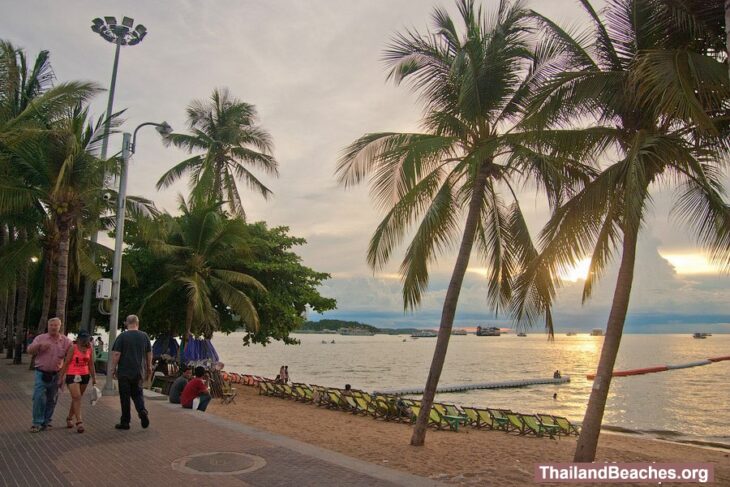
(196, 388)
(179, 385)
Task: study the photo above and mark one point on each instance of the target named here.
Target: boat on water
(353, 331)
(488, 331)
(424, 334)
(571, 334)
(458, 331)
(521, 334)
(701, 335)
(597, 332)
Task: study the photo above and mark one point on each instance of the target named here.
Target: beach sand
(469, 456)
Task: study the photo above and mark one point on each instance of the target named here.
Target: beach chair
(336, 400)
(472, 416)
(566, 426)
(228, 393)
(266, 388)
(486, 418)
(538, 427)
(384, 409)
(364, 403)
(306, 394)
(516, 423)
(450, 414)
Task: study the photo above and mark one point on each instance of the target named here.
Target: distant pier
(479, 385)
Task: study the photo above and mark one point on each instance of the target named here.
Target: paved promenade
(181, 447)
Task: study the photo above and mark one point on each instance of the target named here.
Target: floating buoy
(481, 385)
(663, 368)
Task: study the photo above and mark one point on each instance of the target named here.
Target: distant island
(329, 326)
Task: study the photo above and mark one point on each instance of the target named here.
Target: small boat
(458, 331)
(424, 334)
(597, 332)
(571, 334)
(521, 334)
(700, 335)
(491, 331)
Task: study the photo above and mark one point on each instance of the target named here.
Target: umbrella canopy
(165, 345)
(198, 349)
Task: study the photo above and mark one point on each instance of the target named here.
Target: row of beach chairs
(442, 416)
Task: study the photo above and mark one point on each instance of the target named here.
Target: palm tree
(652, 85)
(28, 104)
(468, 159)
(201, 246)
(55, 172)
(225, 130)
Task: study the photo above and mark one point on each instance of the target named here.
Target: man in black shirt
(131, 362)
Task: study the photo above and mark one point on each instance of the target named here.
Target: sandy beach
(469, 456)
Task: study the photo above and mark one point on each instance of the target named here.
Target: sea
(682, 405)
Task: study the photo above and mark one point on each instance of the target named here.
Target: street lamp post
(128, 146)
(120, 35)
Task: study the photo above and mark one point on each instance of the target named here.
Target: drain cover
(218, 463)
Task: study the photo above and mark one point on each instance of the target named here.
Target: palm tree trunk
(10, 321)
(727, 31)
(20, 328)
(10, 309)
(188, 329)
(588, 441)
(449, 309)
(47, 290)
(62, 280)
(3, 297)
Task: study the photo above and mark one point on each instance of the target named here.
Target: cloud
(314, 71)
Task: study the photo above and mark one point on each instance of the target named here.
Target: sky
(314, 71)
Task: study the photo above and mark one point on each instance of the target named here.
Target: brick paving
(104, 456)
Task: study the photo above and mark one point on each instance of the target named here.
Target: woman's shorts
(71, 379)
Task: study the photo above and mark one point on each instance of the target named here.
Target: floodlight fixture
(124, 34)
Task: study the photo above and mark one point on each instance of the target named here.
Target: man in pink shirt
(49, 350)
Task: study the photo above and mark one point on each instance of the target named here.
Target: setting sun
(578, 272)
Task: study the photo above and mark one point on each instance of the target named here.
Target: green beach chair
(565, 425)
(516, 424)
(487, 419)
(537, 427)
(471, 415)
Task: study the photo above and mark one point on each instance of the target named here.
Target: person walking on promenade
(130, 351)
(49, 350)
(77, 371)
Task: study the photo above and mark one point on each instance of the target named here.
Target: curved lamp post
(124, 34)
(128, 146)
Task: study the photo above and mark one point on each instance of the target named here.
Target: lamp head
(164, 129)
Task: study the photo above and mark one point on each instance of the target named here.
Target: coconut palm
(200, 247)
(647, 78)
(54, 177)
(468, 160)
(231, 142)
(29, 103)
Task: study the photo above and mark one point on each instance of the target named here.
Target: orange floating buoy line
(663, 368)
(244, 379)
